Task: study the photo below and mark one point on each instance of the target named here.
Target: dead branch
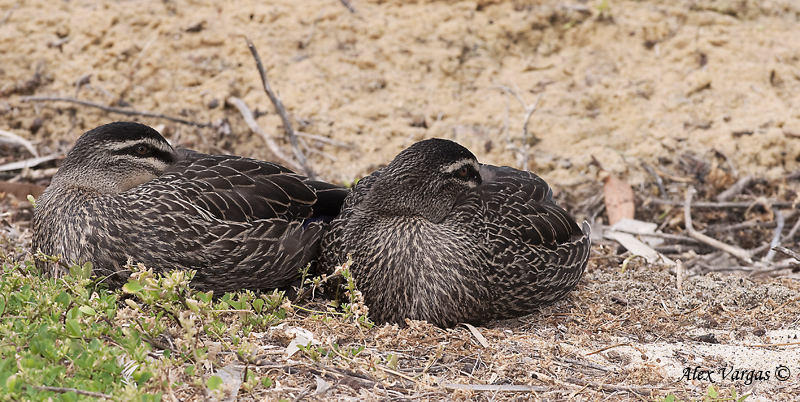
(497, 388)
(643, 390)
(711, 204)
(477, 334)
(587, 364)
(111, 109)
(15, 139)
(793, 231)
(307, 41)
(27, 163)
(665, 236)
(254, 127)
(349, 6)
(529, 109)
(326, 140)
(776, 237)
(735, 189)
(607, 348)
(659, 181)
(63, 390)
(281, 110)
(790, 253)
(687, 216)
(8, 14)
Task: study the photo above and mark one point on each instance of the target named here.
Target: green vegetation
(61, 333)
(712, 395)
(71, 339)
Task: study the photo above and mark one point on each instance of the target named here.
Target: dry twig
(607, 348)
(792, 232)
(15, 139)
(776, 237)
(251, 122)
(718, 205)
(659, 181)
(529, 109)
(111, 109)
(63, 390)
(349, 6)
(281, 110)
(735, 189)
(8, 14)
(307, 41)
(497, 388)
(687, 216)
(790, 253)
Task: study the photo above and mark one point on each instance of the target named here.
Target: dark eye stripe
(464, 172)
(159, 154)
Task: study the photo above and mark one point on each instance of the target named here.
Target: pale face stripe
(116, 146)
(459, 164)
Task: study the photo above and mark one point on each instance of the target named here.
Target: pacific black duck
(124, 193)
(437, 236)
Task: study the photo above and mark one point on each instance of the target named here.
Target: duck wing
(536, 251)
(240, 189)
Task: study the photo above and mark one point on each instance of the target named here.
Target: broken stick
(281, 110)
(687, 216)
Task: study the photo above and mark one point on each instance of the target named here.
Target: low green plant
(712, 395)
(71, 338)
(354, 308)
(58, 340)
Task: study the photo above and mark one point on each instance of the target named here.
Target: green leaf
(712, 392)
(266, 382)
(62, 298)
(87, 310)
(2, 305)
(75, 271)
(189, 370)
(73, 313)
(73, 327)
(11, 382)
(87, 270)
(214, 382)
(133, 286)
(258, 305)
(143, 378)
(69, 396)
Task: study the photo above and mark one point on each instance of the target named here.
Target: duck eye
(463, 172)
(142, 150)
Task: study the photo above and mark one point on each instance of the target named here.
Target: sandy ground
(625, 82)
(642, 80)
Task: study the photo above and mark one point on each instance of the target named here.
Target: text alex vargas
(727, 373)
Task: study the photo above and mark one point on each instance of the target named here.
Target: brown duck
(437, 236)
(123, 193)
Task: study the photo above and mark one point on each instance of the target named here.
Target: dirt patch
(697, 91)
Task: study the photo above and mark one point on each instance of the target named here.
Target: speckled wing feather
(536, 249)
(238, 221)
(240, 189)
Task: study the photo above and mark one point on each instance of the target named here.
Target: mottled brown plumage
(124, 193)
(437, 236)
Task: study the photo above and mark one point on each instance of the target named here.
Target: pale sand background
(654, 79)
(637, 81)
